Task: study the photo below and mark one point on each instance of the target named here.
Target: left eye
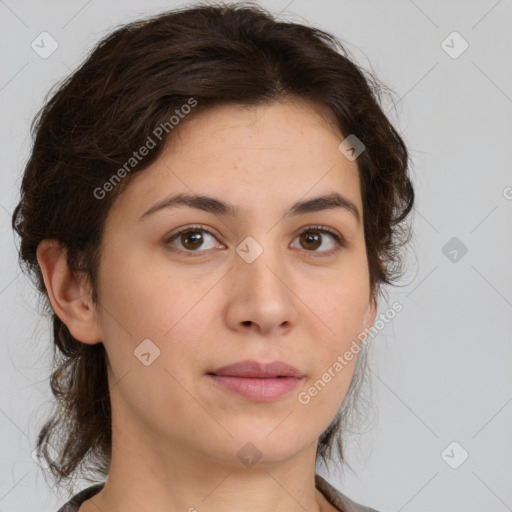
(314, 237)
(192, 238)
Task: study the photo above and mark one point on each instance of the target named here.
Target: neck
(149, 478)
(166, 472)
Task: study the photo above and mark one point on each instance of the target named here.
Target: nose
(261, 296)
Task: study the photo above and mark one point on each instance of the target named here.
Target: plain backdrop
(441, 370)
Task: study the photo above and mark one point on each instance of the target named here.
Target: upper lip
(256, 369)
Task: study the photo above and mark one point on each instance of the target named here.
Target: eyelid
(322, 228)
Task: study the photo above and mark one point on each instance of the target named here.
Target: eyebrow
(215, 206)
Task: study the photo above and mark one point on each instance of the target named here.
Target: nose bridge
(259, 265)
(259, 290)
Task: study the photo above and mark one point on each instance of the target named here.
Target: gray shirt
(333, 496)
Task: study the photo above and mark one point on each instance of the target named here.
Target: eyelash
(340, 241)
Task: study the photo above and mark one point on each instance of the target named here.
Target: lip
(258, 390)
(260, 382)
(255, 369)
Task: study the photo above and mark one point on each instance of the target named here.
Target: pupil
(312, 238)
(196, 239)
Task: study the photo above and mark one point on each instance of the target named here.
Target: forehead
(280, 124)
(249, 153)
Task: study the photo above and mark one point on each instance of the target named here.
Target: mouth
(256, 381)
(257, 370)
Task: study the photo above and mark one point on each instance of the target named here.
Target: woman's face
(256, 283)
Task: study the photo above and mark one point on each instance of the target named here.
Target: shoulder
(74, 503)
(337, 499)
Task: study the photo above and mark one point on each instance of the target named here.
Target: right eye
(191, 238)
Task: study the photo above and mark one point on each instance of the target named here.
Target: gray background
(441, 368)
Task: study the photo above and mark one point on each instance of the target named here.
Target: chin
(259, 447)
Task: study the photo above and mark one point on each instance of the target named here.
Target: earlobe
(369, 317)
(68, 297)
(371, 314)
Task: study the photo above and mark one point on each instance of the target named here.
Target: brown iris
(195, 236)
(310, 237)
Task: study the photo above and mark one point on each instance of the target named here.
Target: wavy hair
(134, 80)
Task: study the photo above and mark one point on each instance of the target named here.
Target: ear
(69, 298)
(370, 315)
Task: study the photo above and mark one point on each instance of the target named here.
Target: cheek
(336, 357)
(341, 306)
(141, 305)
(149, 302)
(142, 296)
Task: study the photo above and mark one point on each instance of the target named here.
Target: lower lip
(259, 390)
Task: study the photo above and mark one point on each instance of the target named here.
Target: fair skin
(175, 434)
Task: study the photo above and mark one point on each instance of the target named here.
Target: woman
(212, 203)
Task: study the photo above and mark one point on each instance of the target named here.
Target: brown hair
(134, 81)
